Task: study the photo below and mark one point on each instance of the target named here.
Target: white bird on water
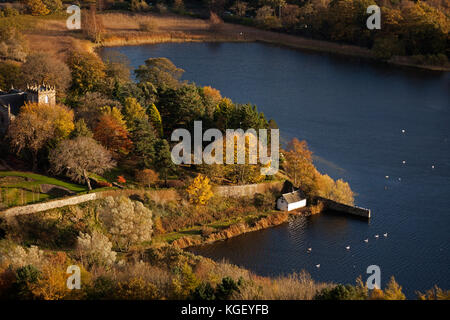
(347, 247)
(385, 235)
(376, 236)
(317, 265)
(366, 240)
(309, 250)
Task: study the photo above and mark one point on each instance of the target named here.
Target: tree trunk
(34, 155)
(86, 178)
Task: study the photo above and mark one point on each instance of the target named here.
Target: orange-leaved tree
(113, 135)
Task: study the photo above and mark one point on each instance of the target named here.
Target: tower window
(46, 99)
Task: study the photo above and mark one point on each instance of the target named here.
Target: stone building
(12, 101)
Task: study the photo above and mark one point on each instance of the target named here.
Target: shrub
(341, 292)
(96, 249)
(148, 26)
(204, 292)
(227, 288)
(102, 288)
(200, 190)
(121, 179)
(147, 177)
(18, 256)
(127, 221)
(26, 278)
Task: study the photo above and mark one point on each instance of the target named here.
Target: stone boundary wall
(340, 207)
(38, 207)
(248, 189)
(156, 195)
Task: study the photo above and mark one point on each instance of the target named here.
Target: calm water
(352, 114)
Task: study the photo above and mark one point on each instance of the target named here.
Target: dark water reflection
(352, 113)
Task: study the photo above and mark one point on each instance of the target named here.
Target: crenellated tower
(41, 94)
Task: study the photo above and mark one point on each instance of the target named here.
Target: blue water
(352, 113)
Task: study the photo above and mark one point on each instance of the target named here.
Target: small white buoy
(366, 240)
(317, 265)
(404, 161)
(385, 235)
(376, 236)
(347, 247)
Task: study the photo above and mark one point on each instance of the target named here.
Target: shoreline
(274, 219)
(228, 32)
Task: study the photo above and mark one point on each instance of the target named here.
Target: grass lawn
(38, 179)
(24, 188)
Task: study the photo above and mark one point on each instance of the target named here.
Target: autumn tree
(39, 125)
(128, 222)
(13, 44)
(92, 105)
(435, 293)
(36, 7)
(81, 130)
(393, 291)
(200, 190)
(240, 8)
(79, 157)
(93, 27)
(10, 75)
(88, 73)
(95, 249)
(155, 119)
(211, 98)
(133, 111)
(113, 135)
(43, 67)
(298, 164)
(147, 177)
(53, 5)
(161, 72)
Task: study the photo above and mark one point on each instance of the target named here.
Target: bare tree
(79, 157)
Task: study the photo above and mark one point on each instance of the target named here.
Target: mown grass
(26, 189)
(38, 179)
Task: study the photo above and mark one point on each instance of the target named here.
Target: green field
(21, 188)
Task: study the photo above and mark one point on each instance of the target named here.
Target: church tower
(41, 94)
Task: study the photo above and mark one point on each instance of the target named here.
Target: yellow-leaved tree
(200, 190)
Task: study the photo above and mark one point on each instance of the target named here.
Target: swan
(309, 249)
(347, 247)
(366, 240)
(376, 236)
(385, 235)
(318, 265)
